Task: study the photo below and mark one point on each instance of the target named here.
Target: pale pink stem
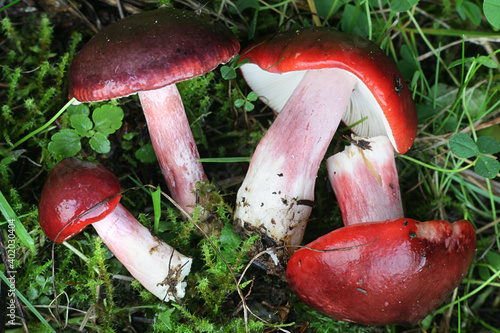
(279, 186)
(365, 181)
(173, 143)
(154, 263)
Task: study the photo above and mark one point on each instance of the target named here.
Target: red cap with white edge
(278, 64)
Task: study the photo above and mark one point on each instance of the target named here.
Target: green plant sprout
(246, 101)
(106, 120)
(228, 72)
(463, 146)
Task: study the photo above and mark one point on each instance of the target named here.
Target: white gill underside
(275, 90)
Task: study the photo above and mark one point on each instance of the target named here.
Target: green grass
(449, 55)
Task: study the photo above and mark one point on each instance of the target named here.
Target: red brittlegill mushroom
(77, 194)
(148, 53)
(391, 272)
(379, 269)
(315, 78)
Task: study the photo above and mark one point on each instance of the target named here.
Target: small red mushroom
(314, 78)
(79, 193)
(148, 53)
(391, 272)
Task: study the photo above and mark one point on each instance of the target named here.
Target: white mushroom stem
(277, 192)
(152, 262)
(173, 143)
(365, 181)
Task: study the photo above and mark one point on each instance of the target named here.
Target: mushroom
(314, 78)
(148, 53)
(79, 193)
(365, 180)
(377, 273)
(390, 272)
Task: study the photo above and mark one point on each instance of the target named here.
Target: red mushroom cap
(318, 48)
(147, 51)
(73, 188)
(392, 272)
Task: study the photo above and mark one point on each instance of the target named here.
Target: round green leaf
(146, 154)
(463, 146)
(239, 102)
(100, 143)
(227, 72)
(252, 96)
(471, 11)
(81, 123)
(249, 106)
(491, 9)
(488, 145)
(354, 21)
(487, 167)
(65, 143)
(82, 109)
(107, 119)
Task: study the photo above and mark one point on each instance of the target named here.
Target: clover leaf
(105, 121)
(485, 165)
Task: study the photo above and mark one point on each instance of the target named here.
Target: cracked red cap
(147, 51)
(73, 188)
(278, 64)
(392, 272)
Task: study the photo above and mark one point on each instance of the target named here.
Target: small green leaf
(326, 8)
(470, 10)
(227, 72)
(100, 143)
(399, 6)
(130, 136)
(107, 119)
(146, 154)
(488, 145)
(249, 106)
(493, 259)
(229, 242)
(354, 21)
(463, 146)
(82, 109)
(487, 62)
(487, 167)
(65, 143)
(228, 238)
(461, 61)
(81, 123)
(239, 102)
(242, 62)
(165, 318)
(252, 96)
(491, 9)
(156, 198)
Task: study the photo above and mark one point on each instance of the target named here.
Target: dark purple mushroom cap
(148, 51)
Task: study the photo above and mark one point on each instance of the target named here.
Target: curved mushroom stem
(173, 143)
(365, 181)
(155, 264)
(283, 169)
